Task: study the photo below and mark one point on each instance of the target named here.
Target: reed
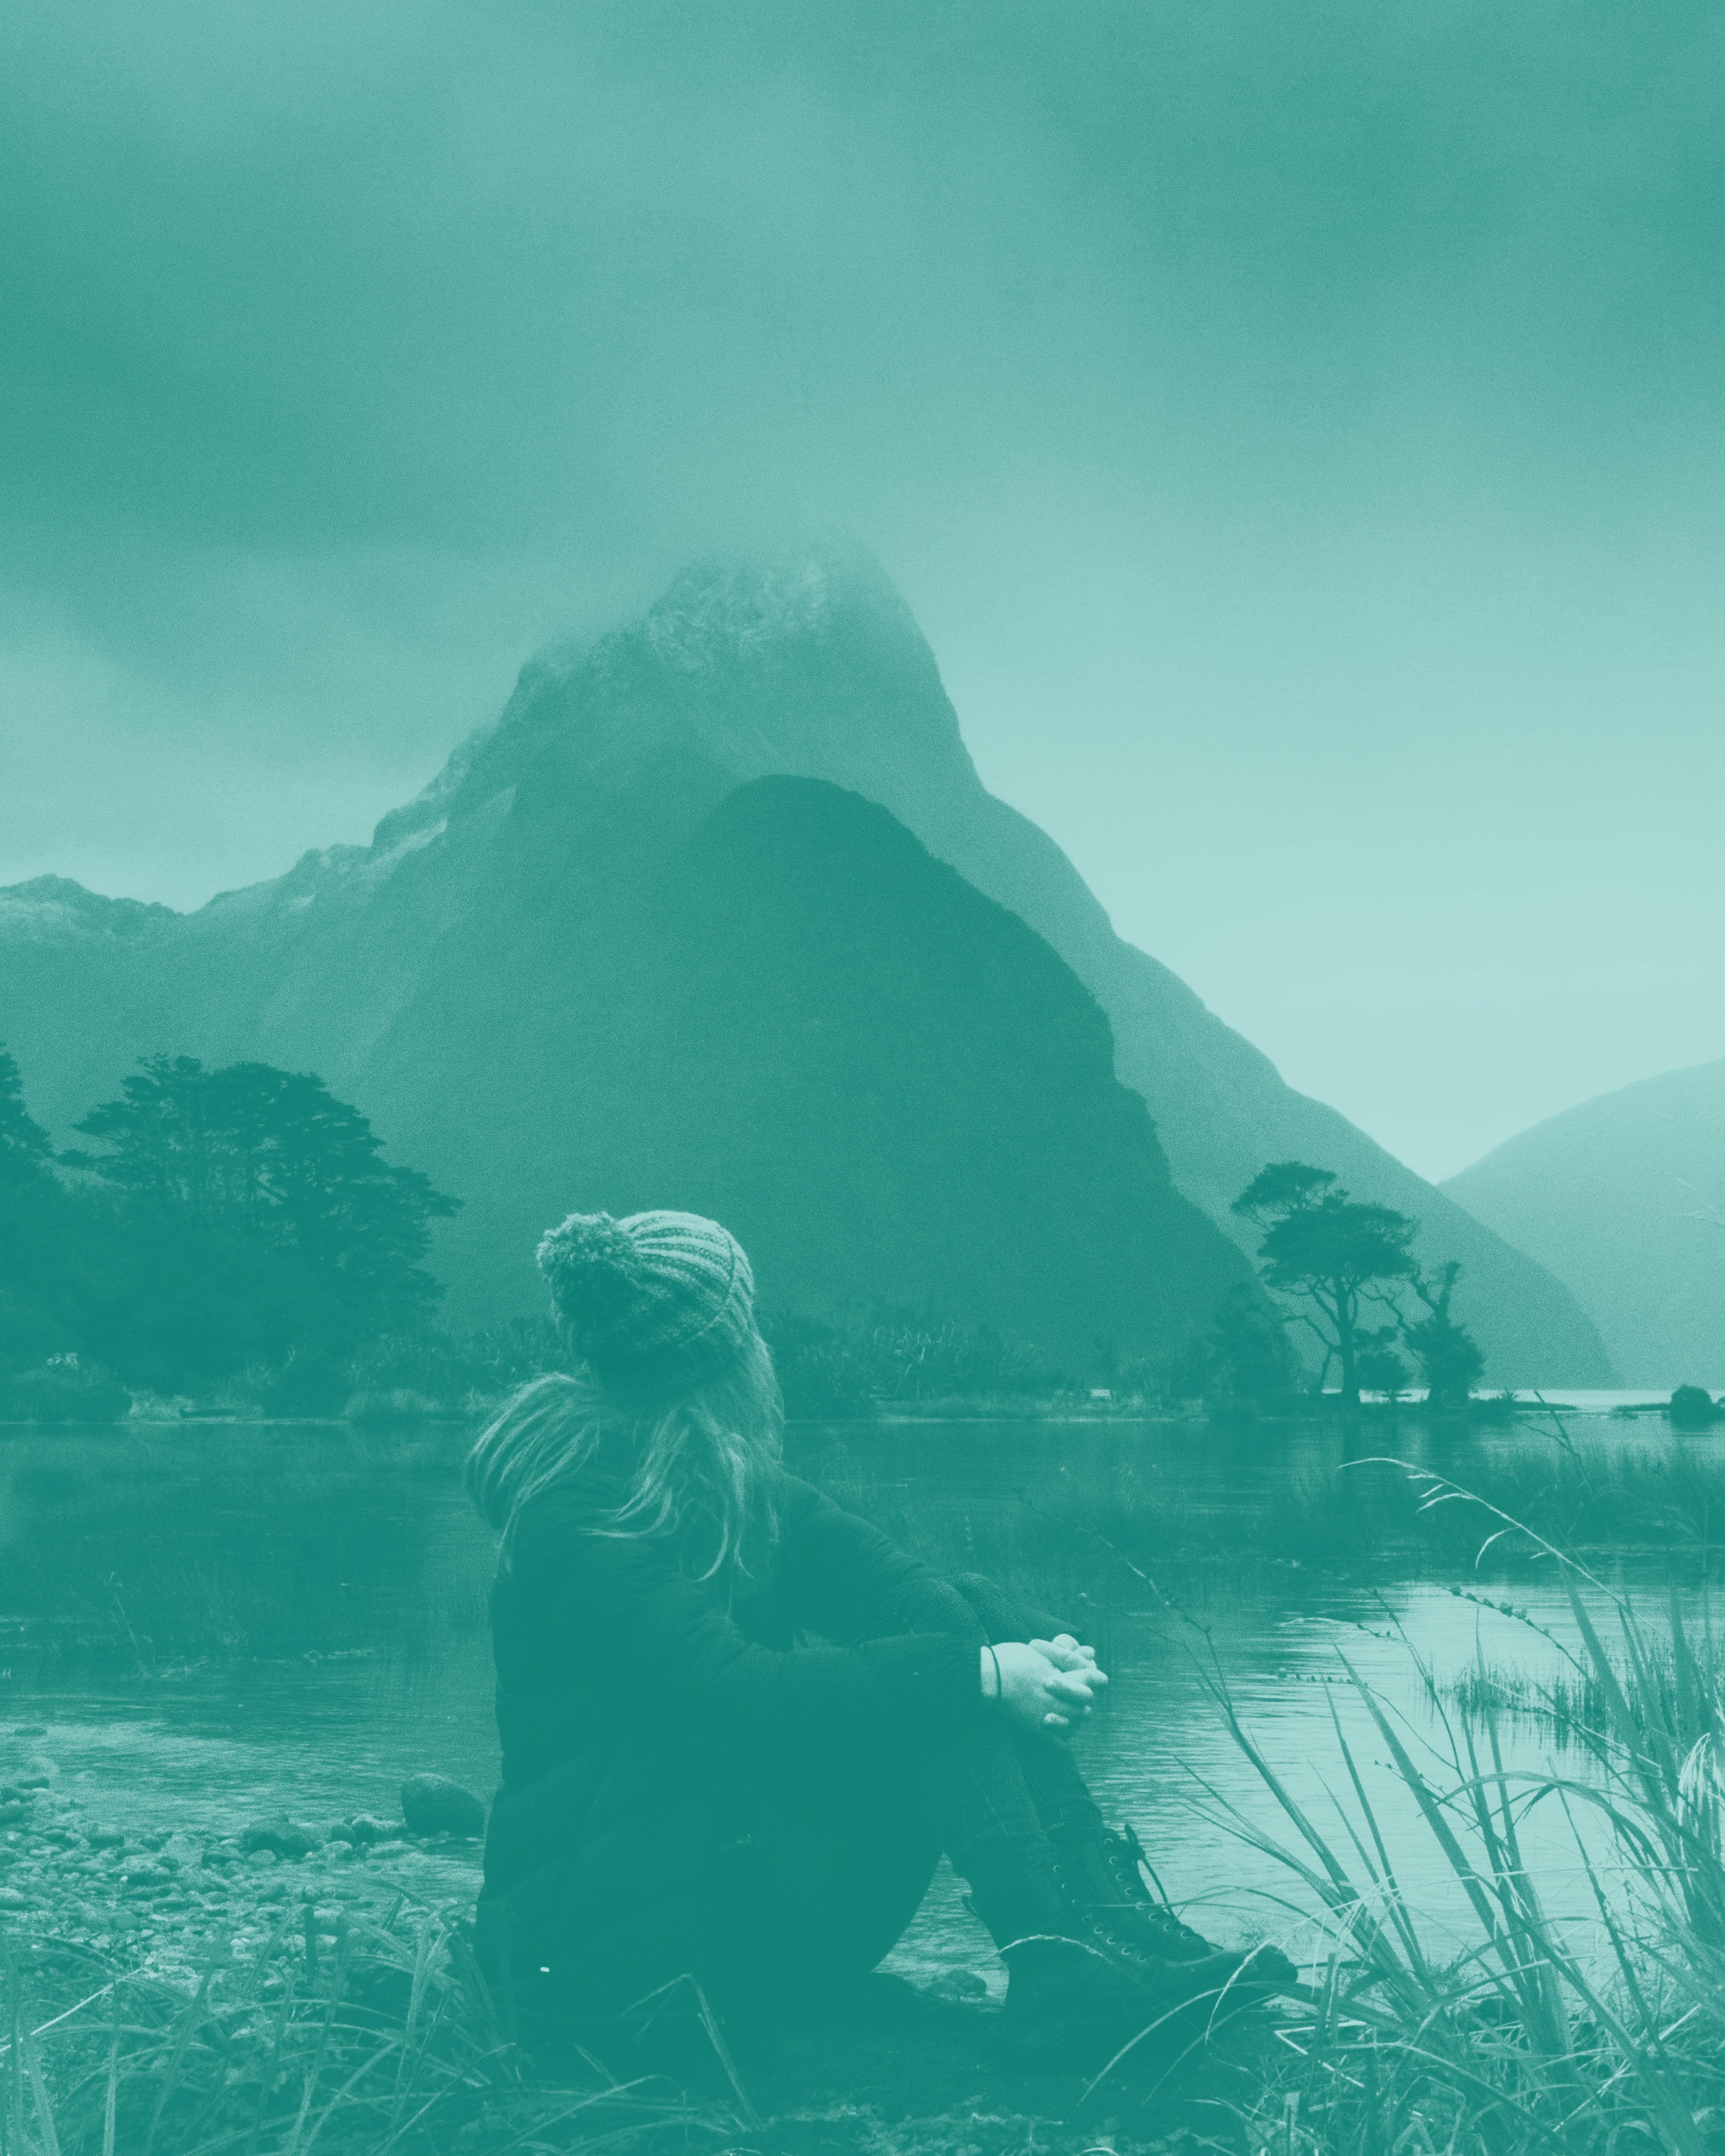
(1531, 2033)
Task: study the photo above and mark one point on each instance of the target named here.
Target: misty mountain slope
(80, 983)
(800, 1022)
(1624, 1197)
(812, 666)
(815, 665)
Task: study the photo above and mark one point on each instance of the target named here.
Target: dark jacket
(624, 1686)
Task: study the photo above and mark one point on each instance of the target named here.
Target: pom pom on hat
(657, 1296)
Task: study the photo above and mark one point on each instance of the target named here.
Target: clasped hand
(1044, 1684)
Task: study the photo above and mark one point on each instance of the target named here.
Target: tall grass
(372, 2041)
(1567, 1705)
(1534, 2033)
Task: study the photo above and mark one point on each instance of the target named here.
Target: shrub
(833, 1369)
(402, 1404)
(62, 1392)
(309, 1383)
(823, 1373)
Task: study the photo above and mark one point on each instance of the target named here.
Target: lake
(207, 1621)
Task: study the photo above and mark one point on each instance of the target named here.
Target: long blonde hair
(697, 1469)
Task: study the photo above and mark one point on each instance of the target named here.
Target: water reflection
(209, 1617)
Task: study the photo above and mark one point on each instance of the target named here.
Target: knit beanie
(657, 1299)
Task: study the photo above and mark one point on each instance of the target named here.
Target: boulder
(279, 1835)
(431, 1803)
(1690, 1407)
(365, 1827)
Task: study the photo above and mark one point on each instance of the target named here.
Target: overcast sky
(1297, 429)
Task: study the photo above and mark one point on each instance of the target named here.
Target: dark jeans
(822, 1858)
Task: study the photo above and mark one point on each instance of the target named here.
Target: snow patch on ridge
(712, 614)
(52, 907)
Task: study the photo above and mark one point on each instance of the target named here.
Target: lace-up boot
(1103, 1874)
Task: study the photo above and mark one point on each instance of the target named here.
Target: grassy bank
(364, 2034)
(298, 2020)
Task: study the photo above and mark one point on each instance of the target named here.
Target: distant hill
(518, 868)
(1615, 1197)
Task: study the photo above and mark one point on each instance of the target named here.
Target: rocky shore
(164, 1901)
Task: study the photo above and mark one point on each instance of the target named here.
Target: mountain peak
(721, 611)
(53, 905)
(807, 662)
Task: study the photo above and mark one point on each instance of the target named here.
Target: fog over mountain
(1297, 429)
(472, 977)
(1623, 1198)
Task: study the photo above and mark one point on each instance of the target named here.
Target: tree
(1450, 1361)
(25, 1150)
(1244, 1356)
(253, 1221)
(1337, 1258)
(1377, 1365)
(35, 1239)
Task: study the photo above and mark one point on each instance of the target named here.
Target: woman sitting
(739, 1726)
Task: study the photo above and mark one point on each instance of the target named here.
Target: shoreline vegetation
(67, 1392)
(233, 1242)
(332, 2022)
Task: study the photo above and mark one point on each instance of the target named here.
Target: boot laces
(1130, 1865)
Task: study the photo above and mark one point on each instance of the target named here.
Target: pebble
(162, 1897)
